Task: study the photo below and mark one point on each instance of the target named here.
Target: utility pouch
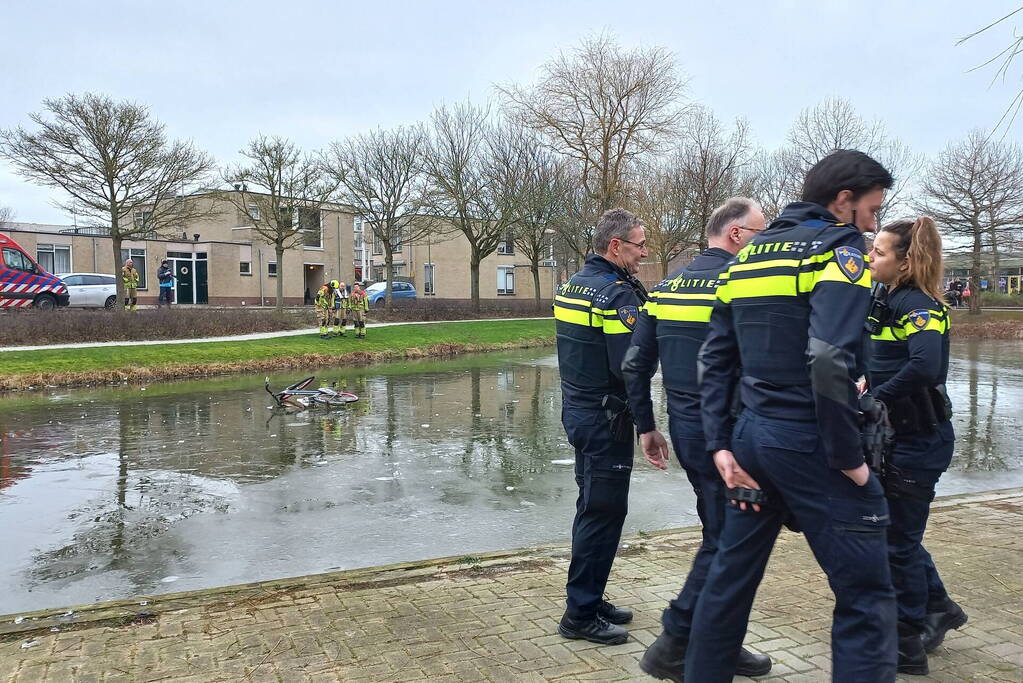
(940, 402)
(619, 417)
(898, 485)
(876, 432)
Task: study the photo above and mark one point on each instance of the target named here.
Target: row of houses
(220, 259)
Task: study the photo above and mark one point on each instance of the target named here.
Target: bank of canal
(108, 493)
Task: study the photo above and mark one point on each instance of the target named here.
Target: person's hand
(861, 387)
(655, 449)
(734, 476)
(860, 476)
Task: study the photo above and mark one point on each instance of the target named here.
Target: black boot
(941, 617)
(912, 657)
(595, 630)
(665, 658)
(615, 615)
(750, 664)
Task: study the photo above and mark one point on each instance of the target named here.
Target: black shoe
(615, 615)
(595, 630)
(665, 658)
(750, 664)
(912, 657)
(940, 619)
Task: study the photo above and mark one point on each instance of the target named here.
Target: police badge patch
(919, 318)
(850, 262)
(629, 315)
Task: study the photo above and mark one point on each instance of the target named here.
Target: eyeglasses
(743, 227)
(641, 245)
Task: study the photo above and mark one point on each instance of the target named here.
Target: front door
(185, 291)
(202, 290)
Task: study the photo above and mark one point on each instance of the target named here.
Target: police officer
(908, 366)
(596, 311)
(790, 313)
(672, 326)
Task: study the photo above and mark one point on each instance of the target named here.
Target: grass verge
(74, 367)
(987, 325)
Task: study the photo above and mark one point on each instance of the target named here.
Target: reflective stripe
(757, 265)
(887, 334)
(696, 314)
(615, 326)
(831, 273)
(754, 287)
(572, 300)
(571, 315)
(671, 295)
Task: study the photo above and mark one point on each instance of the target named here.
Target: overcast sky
(220, 73)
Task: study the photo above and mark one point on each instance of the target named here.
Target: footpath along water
(110, 493)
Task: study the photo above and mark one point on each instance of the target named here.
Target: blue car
(399, 290)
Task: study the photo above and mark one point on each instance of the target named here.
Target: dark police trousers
(691, 450)
(923, 458)
(845, 527)
(602, 470)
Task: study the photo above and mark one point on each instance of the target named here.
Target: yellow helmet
(335, 284)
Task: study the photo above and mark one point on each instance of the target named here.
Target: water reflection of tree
(979, 447)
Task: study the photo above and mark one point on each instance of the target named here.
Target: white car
(90, 290)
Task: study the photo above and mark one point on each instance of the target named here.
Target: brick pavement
(492, 618)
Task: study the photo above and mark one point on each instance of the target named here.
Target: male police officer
(790, 312)
(596, 311)
(672, 326)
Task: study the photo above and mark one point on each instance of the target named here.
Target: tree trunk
(388, 277)
(279, 250)
(474, 280)
(115, 242)
(534, 267)
(974, 280)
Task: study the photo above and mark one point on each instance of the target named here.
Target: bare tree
(1004, 59)
(663, 203)
(974, 191)
(544, 205)
(709, 163)
(772, 181)
(280, 191)
(573, 231)
(605, 107)
(6, 214)
(380, 175)
(834, 124)
(115, 163)
(476, 179)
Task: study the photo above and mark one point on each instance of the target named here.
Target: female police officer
(908, 365)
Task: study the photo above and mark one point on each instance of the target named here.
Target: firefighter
(130, 278)
(358, 306)
(324, 302)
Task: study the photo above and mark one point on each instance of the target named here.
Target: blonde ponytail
(920, 244)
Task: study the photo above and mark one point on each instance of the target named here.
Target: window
(271, 269)
(397, 269)
(142, 220)
(506, 246)
(396, 243)
(309, 224)
(54, 258)
(428, 274)
(138, 257)
(97, 280)
(74, 280)
(506, 280)
(253, 210)
(378, 273)
(245, 268)
(378, 246)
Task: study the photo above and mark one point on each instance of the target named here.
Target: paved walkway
(492, 618)
(238, 337)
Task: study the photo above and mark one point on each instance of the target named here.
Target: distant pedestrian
(130, 278)
(166, 277)
(358, 305)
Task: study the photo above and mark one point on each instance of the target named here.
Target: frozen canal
(109, 493)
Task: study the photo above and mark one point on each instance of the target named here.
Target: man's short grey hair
(614, 223)
(734, 211)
